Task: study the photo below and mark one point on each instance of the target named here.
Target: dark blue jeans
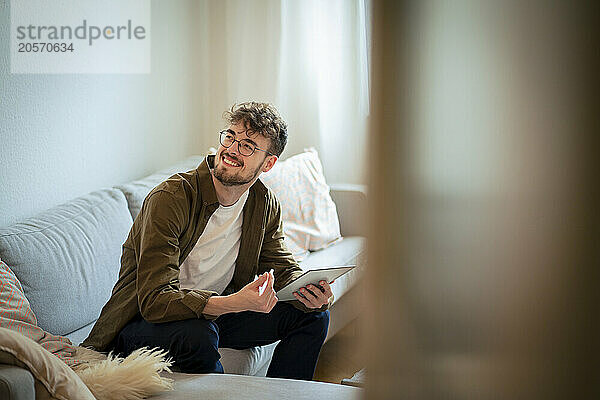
(193, 343)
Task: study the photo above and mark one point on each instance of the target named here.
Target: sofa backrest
(68, 258)
(136, 191)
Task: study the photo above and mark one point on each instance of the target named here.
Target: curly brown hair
(260, 118)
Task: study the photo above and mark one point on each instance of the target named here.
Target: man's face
(232, 168)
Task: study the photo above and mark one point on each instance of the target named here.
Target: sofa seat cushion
(136, 191)
(252, 361)
(68, 258)
(350, 250)
(225, 386)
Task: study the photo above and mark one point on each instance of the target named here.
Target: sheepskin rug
(134, 377)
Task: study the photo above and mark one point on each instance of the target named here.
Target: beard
(228, 178)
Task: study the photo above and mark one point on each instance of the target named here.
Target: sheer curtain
(309, 58)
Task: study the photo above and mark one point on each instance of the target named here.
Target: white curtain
(310, 58)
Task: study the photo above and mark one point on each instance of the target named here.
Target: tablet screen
(313, 276)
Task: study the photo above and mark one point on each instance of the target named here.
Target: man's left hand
(315, 297)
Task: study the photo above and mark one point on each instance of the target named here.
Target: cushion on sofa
(68, 258)
(16, 314)
(310, 220)
(136, 191)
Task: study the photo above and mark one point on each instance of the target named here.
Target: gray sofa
(67, 260)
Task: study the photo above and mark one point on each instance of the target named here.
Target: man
(187, 283)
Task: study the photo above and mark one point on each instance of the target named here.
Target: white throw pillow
(310, 220)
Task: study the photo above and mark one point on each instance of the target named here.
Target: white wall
(64, 135)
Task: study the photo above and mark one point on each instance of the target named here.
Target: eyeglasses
(245, 146)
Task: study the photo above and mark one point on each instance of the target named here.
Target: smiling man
(187, 281)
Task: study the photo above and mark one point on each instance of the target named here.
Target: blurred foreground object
(484, 231)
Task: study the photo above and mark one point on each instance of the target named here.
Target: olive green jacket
(172, 218)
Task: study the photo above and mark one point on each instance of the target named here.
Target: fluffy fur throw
(135, 377)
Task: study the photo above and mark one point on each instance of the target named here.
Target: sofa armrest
(16, 383)
(351, 203)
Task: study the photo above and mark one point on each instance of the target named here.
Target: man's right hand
(250, 298)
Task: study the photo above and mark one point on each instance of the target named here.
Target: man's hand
(249, 296)
(315, 297)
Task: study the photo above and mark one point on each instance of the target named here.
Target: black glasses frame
(223, 134)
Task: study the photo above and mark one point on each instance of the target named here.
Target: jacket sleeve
(275, 255)
(164, 215)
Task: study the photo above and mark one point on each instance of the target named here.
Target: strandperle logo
(82, 32)
(80, 36)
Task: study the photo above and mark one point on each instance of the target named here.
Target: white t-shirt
(211, 263)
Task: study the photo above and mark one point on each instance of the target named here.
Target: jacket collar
(205, 183)
(207, 187)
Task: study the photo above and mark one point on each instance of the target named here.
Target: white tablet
(314, 276)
